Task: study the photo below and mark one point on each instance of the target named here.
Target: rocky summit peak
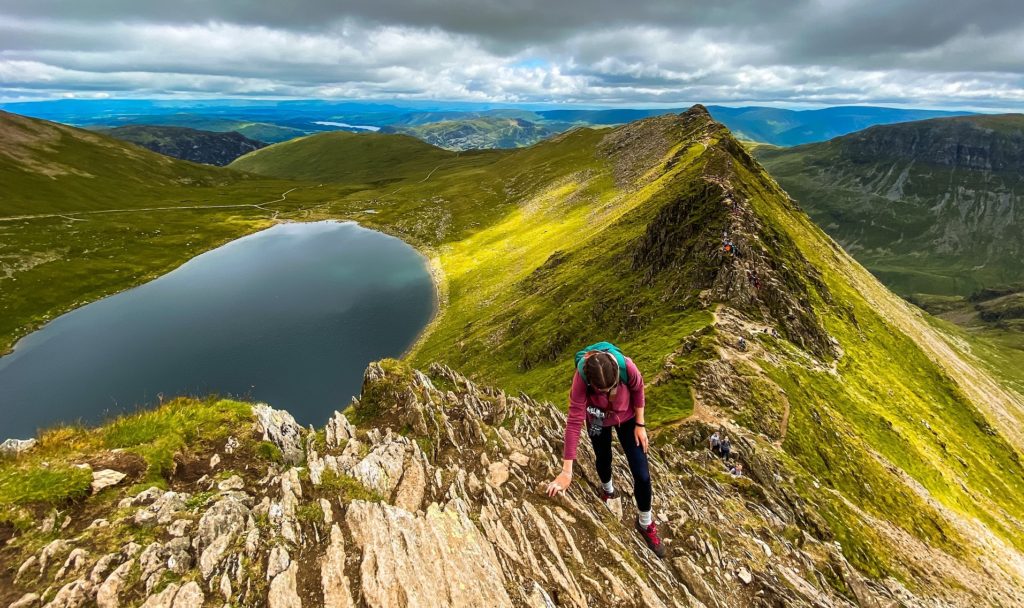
(427, 491)
(698, 109)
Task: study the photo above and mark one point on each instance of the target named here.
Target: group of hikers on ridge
(721, 445)
(608, 393)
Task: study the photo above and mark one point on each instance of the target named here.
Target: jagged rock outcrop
(435, 498)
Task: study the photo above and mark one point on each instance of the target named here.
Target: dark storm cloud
(820, 51)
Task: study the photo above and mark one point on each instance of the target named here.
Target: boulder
(280, 428)
(105, 478)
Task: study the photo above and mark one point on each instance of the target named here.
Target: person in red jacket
(599, 400)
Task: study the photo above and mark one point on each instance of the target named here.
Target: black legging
(634, 454)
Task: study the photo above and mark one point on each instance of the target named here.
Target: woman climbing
(608, 392)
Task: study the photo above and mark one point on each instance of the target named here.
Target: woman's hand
(640, 434)
(560, 483)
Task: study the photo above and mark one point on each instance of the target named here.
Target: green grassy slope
(48, 167)
(365, 156)
(926, 206)
(888, 439)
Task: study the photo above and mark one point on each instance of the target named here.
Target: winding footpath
(68, 215)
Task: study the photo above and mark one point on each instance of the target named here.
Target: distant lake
(290, 316)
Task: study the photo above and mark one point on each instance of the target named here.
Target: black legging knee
(634, 455)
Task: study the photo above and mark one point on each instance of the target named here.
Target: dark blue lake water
(290, 316)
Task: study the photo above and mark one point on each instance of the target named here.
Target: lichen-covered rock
(438, 558)
(338, 430)
(107, 594)
(280, 428)
(13, 447)
(218, 530)
(336, 586)
(105, 478)
(283, 589)
(382, 468)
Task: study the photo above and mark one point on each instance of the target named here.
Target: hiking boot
(606, 496)
(650, 534)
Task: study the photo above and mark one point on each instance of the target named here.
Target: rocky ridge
(435, 498)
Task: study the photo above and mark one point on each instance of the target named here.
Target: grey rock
(382, 468)
(336, 586)
(438, 558)
(190, 595)
(283, 589)
(280, 428)
(277, 562)
(13, 447)
(218, 529)
(108, 591)
(74, 563)
(231, 483)
(105, 478)
(338, 430)
(72, 595)
(29, 600)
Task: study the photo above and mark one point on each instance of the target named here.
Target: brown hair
(601, 370)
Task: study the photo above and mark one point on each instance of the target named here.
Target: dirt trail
(729, 354)
(704, 413)
(68, 214)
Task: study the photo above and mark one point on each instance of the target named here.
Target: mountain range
(455, 126)
(882, 448)
(929, 206)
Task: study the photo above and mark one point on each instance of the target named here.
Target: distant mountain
(930, 206)
(476, 133)
(207, 147)
(275, 121)
(783, 127)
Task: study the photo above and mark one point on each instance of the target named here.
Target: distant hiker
(715, 442)
(736, 470)
(728, 247)
(742, 344)
(726, 447)
(608, 392)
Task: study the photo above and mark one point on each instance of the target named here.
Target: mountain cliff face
(206, 147)
(930, 206)
(433, 498)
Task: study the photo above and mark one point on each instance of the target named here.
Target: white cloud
(635, 61)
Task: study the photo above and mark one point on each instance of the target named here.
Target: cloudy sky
(923, 53)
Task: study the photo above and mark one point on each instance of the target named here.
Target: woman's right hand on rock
(560, 483)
